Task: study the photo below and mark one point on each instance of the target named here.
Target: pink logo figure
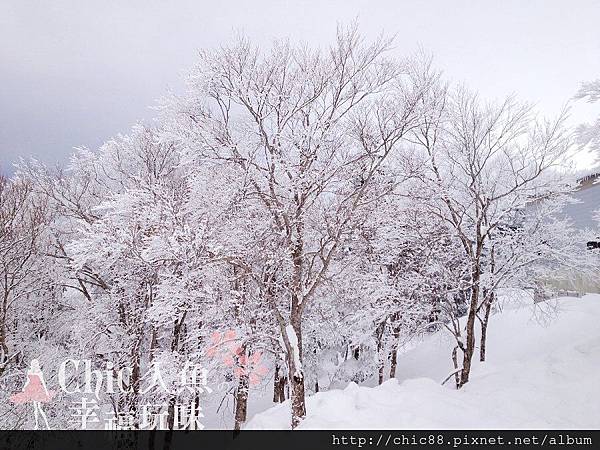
(34, 391)
(232, 354)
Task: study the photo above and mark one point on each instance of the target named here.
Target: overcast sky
(74, 73)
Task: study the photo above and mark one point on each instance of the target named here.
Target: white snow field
(542, 372)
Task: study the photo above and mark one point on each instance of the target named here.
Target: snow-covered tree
(294, 217)
(308, 131)
(482, 164)
(23, 270)
(589, 133)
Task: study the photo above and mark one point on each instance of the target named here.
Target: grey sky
(74, 73)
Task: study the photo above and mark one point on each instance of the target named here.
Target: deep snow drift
(542, 372)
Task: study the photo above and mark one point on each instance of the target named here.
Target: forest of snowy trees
(315, 207)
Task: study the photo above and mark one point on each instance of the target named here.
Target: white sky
(75, 73)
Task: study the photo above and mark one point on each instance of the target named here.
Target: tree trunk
(296, 375)
(381, 361)
(153, 343)
(489, 300)
(170, 423)
(279, 383)
(241, 402)
(455, 363)
(132, 397)
(484, 326)
(282, 389)
(298, 399)
(394, 361)
(3, 350)
(381, 372)
(469, 349)
(394, 351)
(173, 399)
(3, 346)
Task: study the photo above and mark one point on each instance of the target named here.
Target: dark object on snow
(593, 245)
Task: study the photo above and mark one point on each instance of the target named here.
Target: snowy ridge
(539, 374)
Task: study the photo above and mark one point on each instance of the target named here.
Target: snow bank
(542, 372)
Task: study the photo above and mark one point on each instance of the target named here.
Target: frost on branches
(293, 220)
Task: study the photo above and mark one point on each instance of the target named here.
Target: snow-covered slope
(542, 371)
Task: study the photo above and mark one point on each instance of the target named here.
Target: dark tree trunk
(173, 399)
(298, 399)
(394, 351)
(469, 349)
(282, 389)
(489, 300)
(3, 348)
(381, 361)
(241, 402)
(455, 363)
(170, 423)
(393, 361)
(4, 356)
(484, 326)
(381, 372)
(153, 343)
(135, 381)
(279, 384)
(296, 374)
(276, 394)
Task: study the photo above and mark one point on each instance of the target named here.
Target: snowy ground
(542, 372)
